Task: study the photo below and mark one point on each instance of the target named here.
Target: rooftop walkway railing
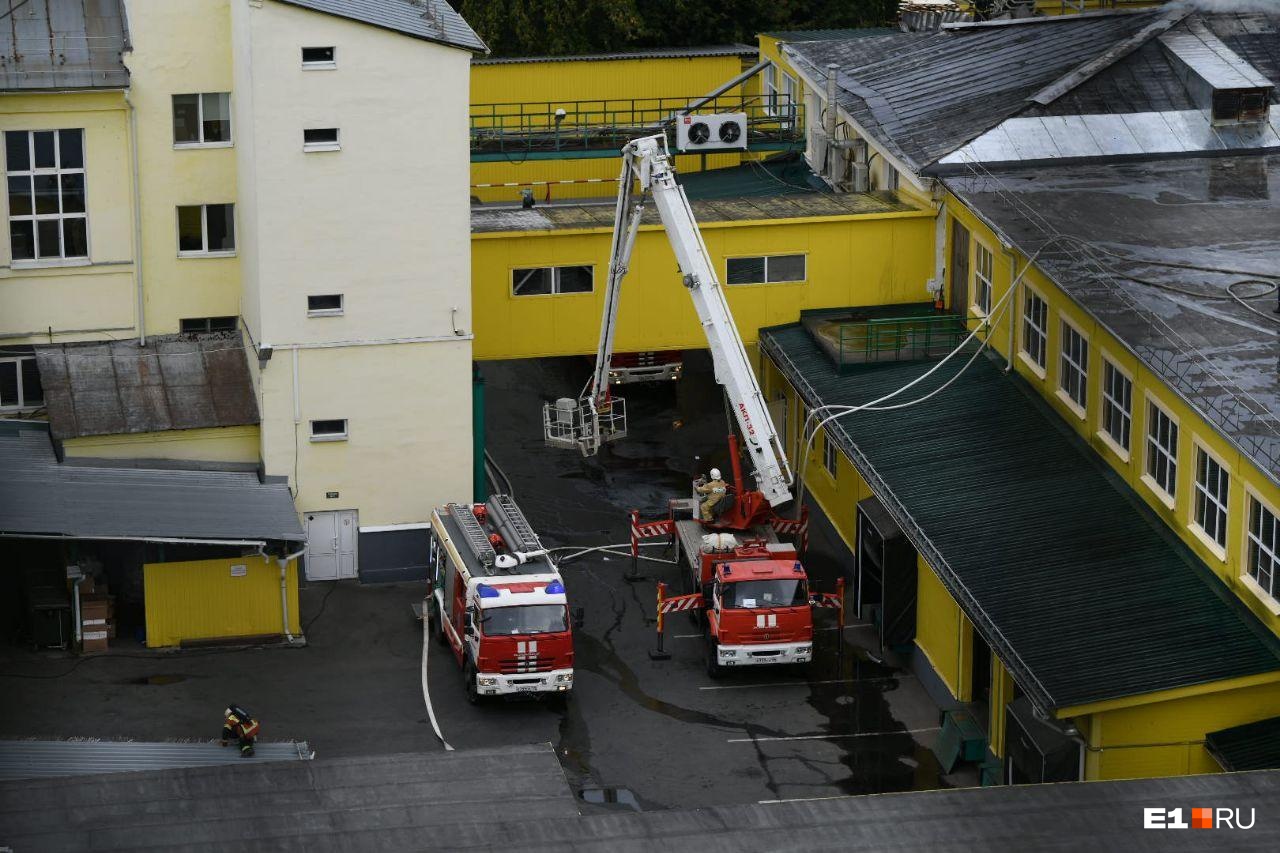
(505, 129)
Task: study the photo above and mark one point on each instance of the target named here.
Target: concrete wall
(181, 47)
(84, 300)
(218, 444)
(382, 221)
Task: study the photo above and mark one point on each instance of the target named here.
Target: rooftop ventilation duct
(1224, 85)
(921, 16)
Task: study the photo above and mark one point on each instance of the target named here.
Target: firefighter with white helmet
(715, 490)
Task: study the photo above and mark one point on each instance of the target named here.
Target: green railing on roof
(896, 338)
(532, 127)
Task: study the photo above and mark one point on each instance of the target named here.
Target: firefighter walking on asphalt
(237, 723)
(715, 489)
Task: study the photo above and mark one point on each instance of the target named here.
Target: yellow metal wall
(201, 600)
(567, 79)
(517, 169)
(852, 260)
(1167, 738)
(1246, 477)
(219, 444)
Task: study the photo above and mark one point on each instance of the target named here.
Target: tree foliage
(565, 27)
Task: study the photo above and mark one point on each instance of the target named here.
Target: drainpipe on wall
(75, 600)
(137, 221)
(1015, 282)
(936, 285)
(284, 590)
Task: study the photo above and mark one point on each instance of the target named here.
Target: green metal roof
(1253, 746)
(1076, 585)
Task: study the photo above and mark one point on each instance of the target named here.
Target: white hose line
(426, 692)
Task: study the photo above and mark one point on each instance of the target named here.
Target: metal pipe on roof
(720, 90)
(260, 544)
(137, 221)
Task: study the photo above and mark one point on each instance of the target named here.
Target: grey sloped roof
(640, 53)
(63, 44)
(1136, 219)
(39, 496)
(188, 381)
(432, 20)
(1080, 590)
(41, 759)
(1253, 746)
(380, 802)
(923, 95)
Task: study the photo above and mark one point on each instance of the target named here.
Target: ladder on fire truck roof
(509, 520)
(477, 539)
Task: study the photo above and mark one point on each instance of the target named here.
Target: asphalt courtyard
(637, 733)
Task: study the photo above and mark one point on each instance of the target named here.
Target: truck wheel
(469, 678)
(437, 624)
(714, 669)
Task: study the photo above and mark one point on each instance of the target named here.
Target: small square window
(324, 305)
(329, 430)
(202, 120)
(319, 57)
(206, 229)
(320, 139)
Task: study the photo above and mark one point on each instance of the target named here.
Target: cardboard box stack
(97, 616)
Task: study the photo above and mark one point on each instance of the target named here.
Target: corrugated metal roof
(433, 20)
(186, 381)
(792, 36)
(42, 497)
(63, 44)
(1074, 583)
(377, 802)
(1253, 746)
(1133, 220)
(41, 759)
(645, 53)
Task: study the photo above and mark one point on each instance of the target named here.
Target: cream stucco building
(282, 178)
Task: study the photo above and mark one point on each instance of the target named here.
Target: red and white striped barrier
(648, 530)
(795, 527)
(680, 603)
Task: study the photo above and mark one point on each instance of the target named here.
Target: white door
(331, 545)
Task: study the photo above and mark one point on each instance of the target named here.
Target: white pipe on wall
(284, 589)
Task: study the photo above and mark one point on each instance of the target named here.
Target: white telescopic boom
(648, 159)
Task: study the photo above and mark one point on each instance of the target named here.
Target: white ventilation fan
(713, 132)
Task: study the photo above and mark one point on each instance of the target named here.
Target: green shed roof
(1253, 746)
(1076, 585)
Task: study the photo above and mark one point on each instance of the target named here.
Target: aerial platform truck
(497, 600)
(749, 585)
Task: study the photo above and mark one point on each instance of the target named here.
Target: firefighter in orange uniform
(239, 724)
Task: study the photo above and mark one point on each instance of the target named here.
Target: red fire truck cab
(498, 601)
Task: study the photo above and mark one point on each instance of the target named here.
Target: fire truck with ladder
(750, 585)
(498, 602)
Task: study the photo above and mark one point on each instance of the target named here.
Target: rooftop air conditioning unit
(714, 132)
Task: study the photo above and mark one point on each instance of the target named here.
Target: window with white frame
(329, 430)
(202, 120)
(983, 269)
(1162, 449)
(45, 179)
(552, 281)
(771, 90)
(1264, 562)
(789, 96)
(321, 139)
(1035, 328)
(206, 229)
(765, 269)
(325, 305)
(1212, 486)
(1073, 374)
(1117, 405)
(188, 325)
(20, 386)
(829, 454)
(319, 57)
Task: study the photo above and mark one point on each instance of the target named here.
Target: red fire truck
(497, 600)
(749, 587)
